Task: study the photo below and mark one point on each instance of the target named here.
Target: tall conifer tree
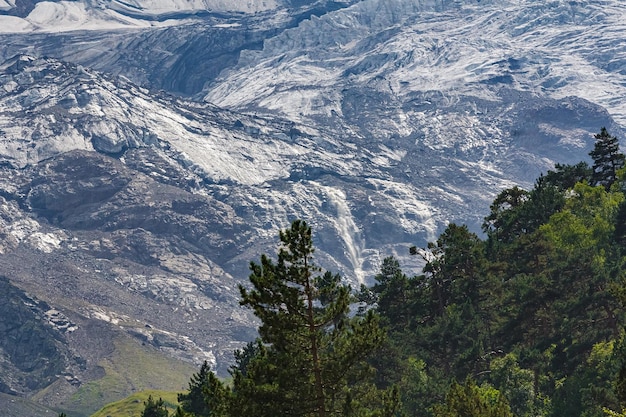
(314, 358)
(194, 401)
(607, 159)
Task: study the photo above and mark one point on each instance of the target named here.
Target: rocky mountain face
(31, 349)
(179, 57)
(131, 204)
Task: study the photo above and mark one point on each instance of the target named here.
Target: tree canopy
(607, 159)
(311, 358)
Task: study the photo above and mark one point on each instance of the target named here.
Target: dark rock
(34, 349)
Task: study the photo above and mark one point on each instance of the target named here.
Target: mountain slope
(132, 214)
(424, 70)
(178, 55)
(266, 170)
(20, 407)
(143, 210)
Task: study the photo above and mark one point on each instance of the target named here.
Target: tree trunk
(317, 371)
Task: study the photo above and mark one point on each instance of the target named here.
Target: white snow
(410, 206)
(348, 230)
(45, 242)
(65, 16)
(6, 5)
(12, 24)
(21, 229)
(108, 317)
(563, 49)
(159, 7)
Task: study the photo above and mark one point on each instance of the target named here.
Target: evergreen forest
(525, 320)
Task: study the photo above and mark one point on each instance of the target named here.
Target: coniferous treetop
(607, 159)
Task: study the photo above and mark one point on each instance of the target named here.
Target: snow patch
(576, 138)
(413, 212)
(23, 228)
(347, 229)
(45, 242)
(13, 24)
(459, 48)
(161, 7)
(64, 16)
(108, 317)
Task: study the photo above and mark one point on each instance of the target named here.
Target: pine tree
(313, 356)
(503, 223)
(154, 408)
(245, 355)
(566, 176)
(454, 268)
(393, 291)
(620, 226)
(469, 400)
(193, 401)
(607, 159)
(181, 413)
(207, 396)
(456, 305)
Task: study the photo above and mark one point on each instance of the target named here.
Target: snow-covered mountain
(144, 167)
(416, 61)
(27, 16)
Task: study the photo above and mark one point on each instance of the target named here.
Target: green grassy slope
(130, 369)
(133, 405)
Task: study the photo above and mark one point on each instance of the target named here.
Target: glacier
(461, 48)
